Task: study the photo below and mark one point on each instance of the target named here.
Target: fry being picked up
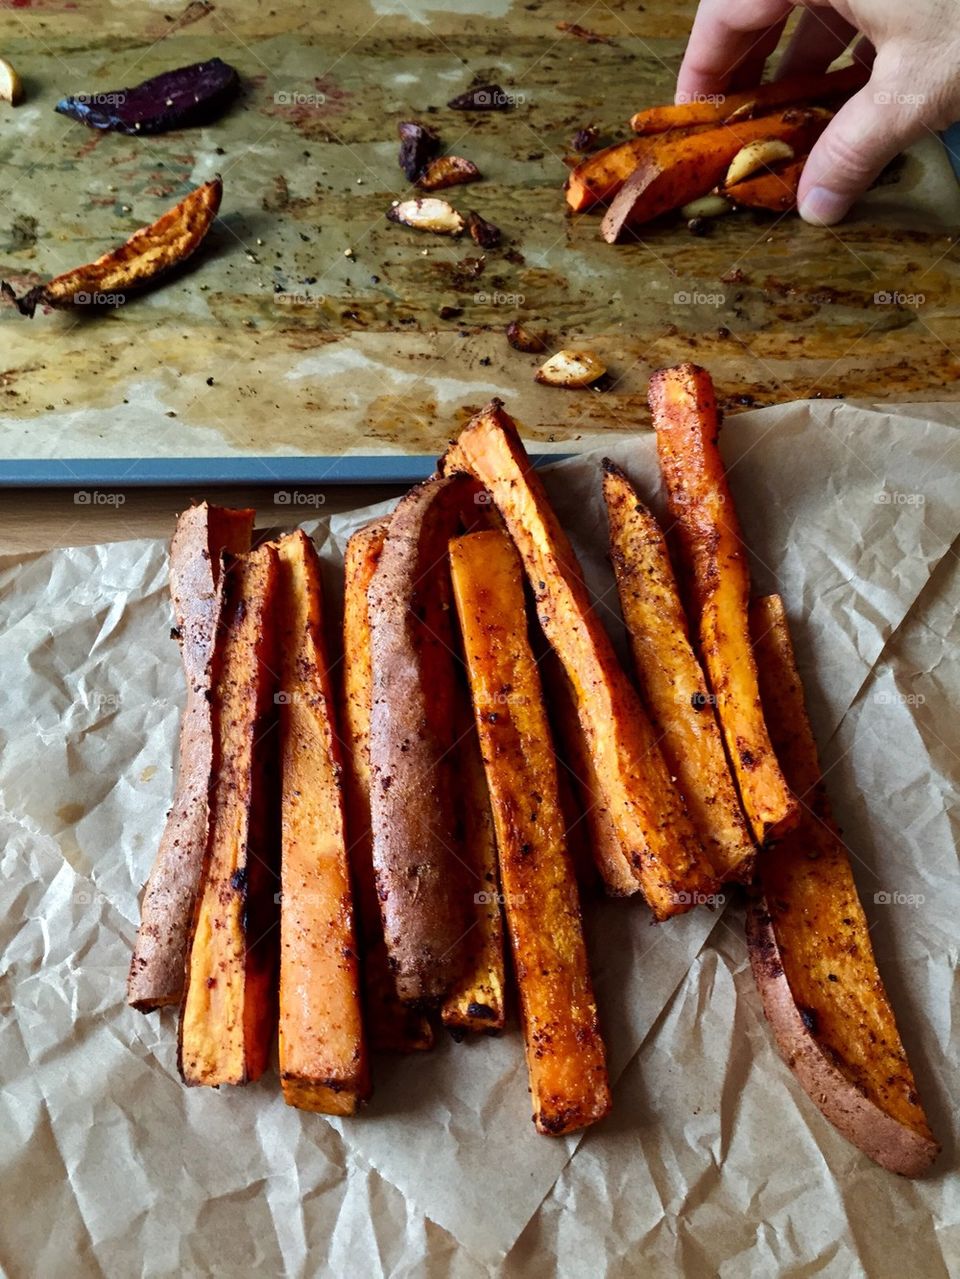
(671, 679)
(323, 1057)
(566, 1060)
(687, 424)
(229, 1010)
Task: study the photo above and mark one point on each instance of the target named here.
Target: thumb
(865, 134)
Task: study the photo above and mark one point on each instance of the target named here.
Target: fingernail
(823, 207)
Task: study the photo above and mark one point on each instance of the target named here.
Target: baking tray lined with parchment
(276, 355)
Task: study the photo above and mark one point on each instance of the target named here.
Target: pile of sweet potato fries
(400, 811)
(708, 156)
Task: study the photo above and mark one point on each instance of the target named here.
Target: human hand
(913, 87)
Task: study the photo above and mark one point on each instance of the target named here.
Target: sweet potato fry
(673, 171)
(810, 948)
(776, 189)
(659, 849)
(598, 178)
(687, 424)
(323, 1055)
(592, 836)
(765, 98)
(229, 1009)
(566, 1061)
(671, 680)
(476, 1000)
(148, 254)
(425, 884)
(392, 1026)
(203, 533)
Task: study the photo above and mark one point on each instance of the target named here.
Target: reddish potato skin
(810, 949)
(881, 1137)
(202, 534)
(775, 190)
(423, 881)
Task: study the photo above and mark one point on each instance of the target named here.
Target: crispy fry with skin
(810, 948)
(671, 680)
(687, 424)
(476, 1001)
(323, 1054)
(424, 882)
(764, 99)
(673, 171)
(776, 190)
(147, 255)
(566, 1061)
(391, 1025)
(202, 534)
(599, 177)
(659, 849)
(229, 1010)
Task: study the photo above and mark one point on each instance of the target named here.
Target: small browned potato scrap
(448, 171)
(391, 1025)
(425, 884)
(229, 1010)
(810, 948)
(145, 257)
(482, 232)
(477, 999)
(687, 424)
(427, 214)
(671, 680)
(203, 534)
(566, 1061)
(11, 86)
(323, 1054)
(571, 370)
(659, 849)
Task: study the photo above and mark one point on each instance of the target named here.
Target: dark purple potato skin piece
(174, 100)
(419, 144)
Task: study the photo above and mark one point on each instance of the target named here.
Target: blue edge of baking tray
(114, 472)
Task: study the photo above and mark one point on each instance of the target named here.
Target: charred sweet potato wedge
(392, 1026)
(149, 254)
(687, 424)
(323, 1055)
(671, 681)
(566, 1060)
(776, 189)
(229, 1010)
(424, 883)
(203, 534)
(476, 1001)
(831, 86)
(810, 949)
(597, 179)
(673, 171)
(659, 849)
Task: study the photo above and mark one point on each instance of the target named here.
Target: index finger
(725, 34)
